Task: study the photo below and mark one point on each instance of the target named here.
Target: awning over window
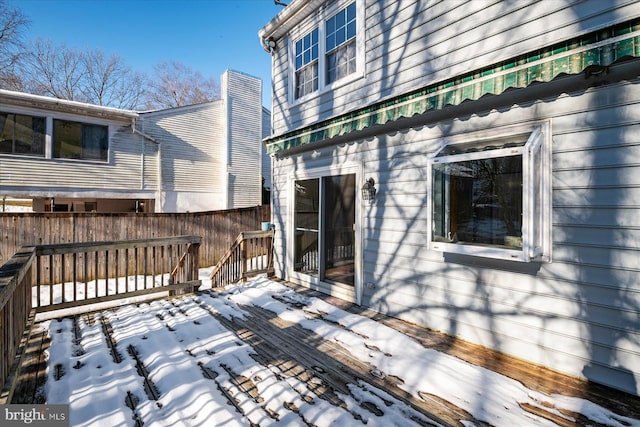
(600, 48)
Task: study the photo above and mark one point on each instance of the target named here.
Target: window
(328, 52)
(307, 64)
(341, 43)
(21, 134)
(491, 197)
(74, 140)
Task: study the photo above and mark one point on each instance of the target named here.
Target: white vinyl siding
(578, 314)
(410, 44)
(42, 177)
(266, 159)
(192, 146)
(244, 112)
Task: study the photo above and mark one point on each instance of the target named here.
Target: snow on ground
(178, 340)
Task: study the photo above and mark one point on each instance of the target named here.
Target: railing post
(195, 263)
(243, 259)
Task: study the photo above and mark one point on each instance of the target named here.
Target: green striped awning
(600, 48)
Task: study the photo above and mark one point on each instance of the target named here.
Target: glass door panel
(338, 235)
(306, 219)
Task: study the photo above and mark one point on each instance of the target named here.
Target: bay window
(491, 197)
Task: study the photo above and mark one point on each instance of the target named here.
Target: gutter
(284, 21)
(46, 102)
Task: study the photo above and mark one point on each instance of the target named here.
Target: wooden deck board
(33, 372)
(326, 367)
(532, 376)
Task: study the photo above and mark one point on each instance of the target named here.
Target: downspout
(157, 142)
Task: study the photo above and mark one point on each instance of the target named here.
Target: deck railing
(73, 274)
(90, 273)
(251, 254)
(15, 308)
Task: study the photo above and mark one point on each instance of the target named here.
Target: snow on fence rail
(99, 272)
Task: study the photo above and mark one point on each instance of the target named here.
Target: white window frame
(318, 21)
(536, 222)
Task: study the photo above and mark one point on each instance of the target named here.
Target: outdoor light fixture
(369, 190)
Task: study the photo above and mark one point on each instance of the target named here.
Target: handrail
(250, 254)
(15, 310)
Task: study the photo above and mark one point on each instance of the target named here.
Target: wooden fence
(218, 229)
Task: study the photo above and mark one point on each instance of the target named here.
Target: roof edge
(35, 101)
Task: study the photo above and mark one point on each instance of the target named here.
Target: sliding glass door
(324, 217)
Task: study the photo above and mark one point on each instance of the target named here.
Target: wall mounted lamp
(369, 190)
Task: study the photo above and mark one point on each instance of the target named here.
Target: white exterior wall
(192, 156)
(211, 153)
(579, 314)
(266, 159)
(127, 174)
(410, 44)
(243, 98)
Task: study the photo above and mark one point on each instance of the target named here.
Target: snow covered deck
(267, 354)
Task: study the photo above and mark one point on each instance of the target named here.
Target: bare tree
(108, 81)
(53, 71)
(90, 76)
(12, 23)
(176, 84)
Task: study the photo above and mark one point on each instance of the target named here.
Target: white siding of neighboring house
(120, 177)
(192, 153)
(243, 97)
(211, 153)
(578, 314)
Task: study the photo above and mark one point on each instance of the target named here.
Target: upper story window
(307, 64)
(340, 43)
(328, 52)
(75, 140)
(22, 134)
(492, 197)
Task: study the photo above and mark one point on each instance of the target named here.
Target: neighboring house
(70, 156)
(502, 139)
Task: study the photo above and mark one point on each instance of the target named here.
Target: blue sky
(209, 36)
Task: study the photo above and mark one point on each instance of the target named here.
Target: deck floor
(324, 368)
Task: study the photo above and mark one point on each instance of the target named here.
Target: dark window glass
(21, 134)
(479, 202)
(306, 217)
(306, 77)
(74, 140)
